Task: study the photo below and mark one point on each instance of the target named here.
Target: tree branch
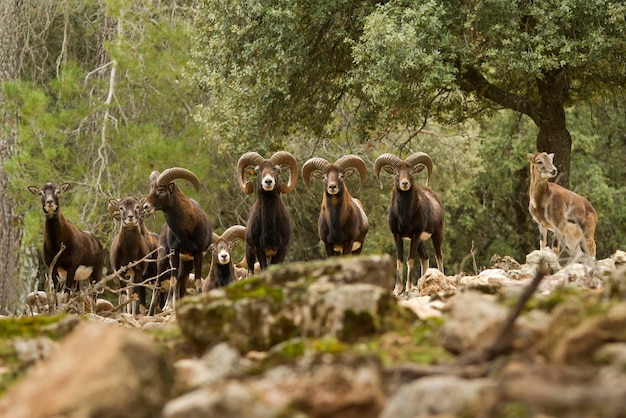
(471, 80)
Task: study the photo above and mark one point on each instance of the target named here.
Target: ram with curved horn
(342, 224)
(223, 270)
(268, 229)
(415, 213)
(188, 234)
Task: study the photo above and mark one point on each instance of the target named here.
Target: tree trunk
(559, 142)
(553, 134)
(548, 112)
(10, 223)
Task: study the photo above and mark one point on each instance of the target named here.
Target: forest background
(100, 93)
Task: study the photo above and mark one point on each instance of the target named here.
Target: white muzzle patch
(268, 183)
(223, 257)
(405, 185)
(50, 209)
(130, 223)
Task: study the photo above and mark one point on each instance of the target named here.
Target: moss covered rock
(340, 297)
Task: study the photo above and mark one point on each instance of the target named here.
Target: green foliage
(494, 218)
(272, 68)
(405, 60)
(414, 51)
(597, 174)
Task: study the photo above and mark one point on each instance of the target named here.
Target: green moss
(514, 410)
(293, 350)
(553, 299)
(165, 333)
(328, 345)
(357, 324)
(286, 352)
(425, 332)
(253, 288)
(426, 349)
(396, 318)
(415, 343)
(290, 349)
(283, 329)
(29, 326)
(11, 366)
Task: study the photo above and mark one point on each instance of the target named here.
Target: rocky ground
(329, 339)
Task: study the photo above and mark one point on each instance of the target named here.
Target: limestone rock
(326, 386)
(616, 284)
(341, 386)
(219, 363)
(577, 332)
(229, 399)
(474, 320)
(33, 350)
(489, 281)
(505, 263)
(439, 395)
(423, 307)
(534, 258)
(98, 370)
(336, 297)
(37, 302)
(377, 270)
(433, 282)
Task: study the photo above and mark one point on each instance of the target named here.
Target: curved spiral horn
(422, 158)
(313, 164)
(246, 160)
(177, 173)
(386, 160)
(286, 158)
(355, 161)
(234, 232)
